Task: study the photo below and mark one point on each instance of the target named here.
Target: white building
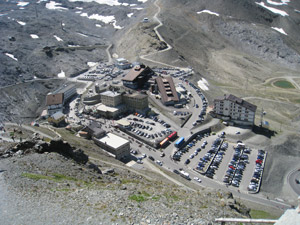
(115, 145)
(234, 109)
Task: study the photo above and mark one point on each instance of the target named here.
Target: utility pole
(263, 113)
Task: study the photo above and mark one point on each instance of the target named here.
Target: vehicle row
(191, 144)
(236, 166)
(257, 174)
(210, 162)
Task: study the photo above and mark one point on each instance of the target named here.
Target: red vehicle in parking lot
(259, 161)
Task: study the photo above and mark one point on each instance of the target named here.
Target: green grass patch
(155, 198)
(36, 176)
(138, 198)
(296, 101)
(259, 214)
(145, 194)
(171, 197)
(283, 84)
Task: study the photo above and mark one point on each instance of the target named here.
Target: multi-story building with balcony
(234, 109)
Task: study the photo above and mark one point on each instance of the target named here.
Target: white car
(197, 179)
(159, 162)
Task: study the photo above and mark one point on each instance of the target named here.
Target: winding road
(169, 47)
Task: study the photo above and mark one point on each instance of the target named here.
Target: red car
(232, 167)
(259, 161)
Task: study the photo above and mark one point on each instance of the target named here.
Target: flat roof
(123, 122)
(110, 93)
(105, 108)
(113, 140)
(64, 89)
(136, 95)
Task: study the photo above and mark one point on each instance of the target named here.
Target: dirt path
(33, 129)
(169, 47)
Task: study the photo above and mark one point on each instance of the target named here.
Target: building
(94, 130)
(57, 119)
(56, 100)
(167, 90)
(110, 112)
(123, 64)
(115, 145)
(137, 77)
(110, 98)
(114, 103)
(68, 92)
(54, 103)
(136, 102)
(234, 109)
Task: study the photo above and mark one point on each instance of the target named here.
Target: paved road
(295, 174)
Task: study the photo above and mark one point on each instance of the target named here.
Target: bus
(164, 143)
(179, 142)
(172, 136)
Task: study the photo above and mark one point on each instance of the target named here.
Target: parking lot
(228, 163)
(151, 129)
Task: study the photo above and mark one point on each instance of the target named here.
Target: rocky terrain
(42, 38)
(55, 183)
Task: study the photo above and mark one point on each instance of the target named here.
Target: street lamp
(263, 113)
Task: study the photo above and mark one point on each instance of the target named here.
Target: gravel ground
(49, 188)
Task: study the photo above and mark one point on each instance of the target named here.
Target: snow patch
(11, 56)
(22, 4)
(298, 11)
(52, 5)
(273, 10)
(280, 30)
(203, 84)
(143, 1)
(80, 8)
(61, 74)
(138, 8)
(125, 4)
(34, 36)
(132, 5)
(83, 35)
(98, 25)
(57, 38)
(283, 2)
(78, 12)
(21, 23)
(209, 12)
(130, 15)
(84, 15)
(104, 19)
(92, 64)
(103, 2)
(116, 26)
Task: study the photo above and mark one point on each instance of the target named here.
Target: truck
(185, 175)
